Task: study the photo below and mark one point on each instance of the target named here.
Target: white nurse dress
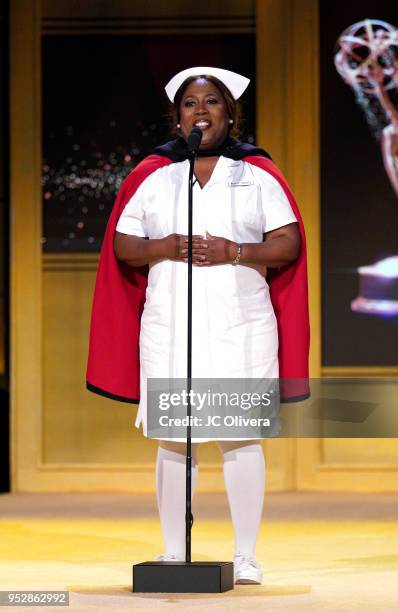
(234, 326)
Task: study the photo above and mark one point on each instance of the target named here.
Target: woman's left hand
(212, 250)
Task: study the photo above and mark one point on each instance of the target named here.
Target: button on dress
(234, 331)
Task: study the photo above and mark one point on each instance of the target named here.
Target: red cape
(113, 360)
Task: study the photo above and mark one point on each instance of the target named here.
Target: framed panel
(359, 205)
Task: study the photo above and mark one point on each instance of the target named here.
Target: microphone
(194, 139)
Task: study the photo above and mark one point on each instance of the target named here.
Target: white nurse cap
(236, 83)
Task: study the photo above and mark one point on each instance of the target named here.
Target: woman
(244, 223)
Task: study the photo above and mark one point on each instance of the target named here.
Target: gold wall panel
(109, 9)
(288, 121)
(354, 465)
(354, 453)
(78, 426)
(124, 17)
(25, 230)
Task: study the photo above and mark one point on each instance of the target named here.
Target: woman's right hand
(137, 251)
(175, 247)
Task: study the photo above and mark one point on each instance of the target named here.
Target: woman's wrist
(155, 249)
(238, 254)
(234, 252)
(170, 247)
(162, 247)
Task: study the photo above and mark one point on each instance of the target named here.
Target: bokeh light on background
(83, 188)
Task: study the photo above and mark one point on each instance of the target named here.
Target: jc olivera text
(214, 421)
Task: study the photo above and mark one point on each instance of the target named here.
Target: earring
(178, 125)
(230, 121)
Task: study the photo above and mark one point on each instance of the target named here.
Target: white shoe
(168, 558)
(247, 570)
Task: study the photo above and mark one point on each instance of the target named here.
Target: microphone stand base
(183, 577)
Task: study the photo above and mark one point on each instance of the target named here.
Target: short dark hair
(233, 107)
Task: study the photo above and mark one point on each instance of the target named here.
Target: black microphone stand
(188, 477)
(188, 576)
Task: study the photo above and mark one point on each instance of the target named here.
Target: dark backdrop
(104, 109)
(359, 207)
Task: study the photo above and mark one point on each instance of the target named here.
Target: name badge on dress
(240, 183)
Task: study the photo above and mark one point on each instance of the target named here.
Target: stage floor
(334, 552)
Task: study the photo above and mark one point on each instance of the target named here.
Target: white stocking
(244, 475)
(170, 488)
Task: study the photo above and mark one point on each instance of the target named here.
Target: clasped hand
(207, 251)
